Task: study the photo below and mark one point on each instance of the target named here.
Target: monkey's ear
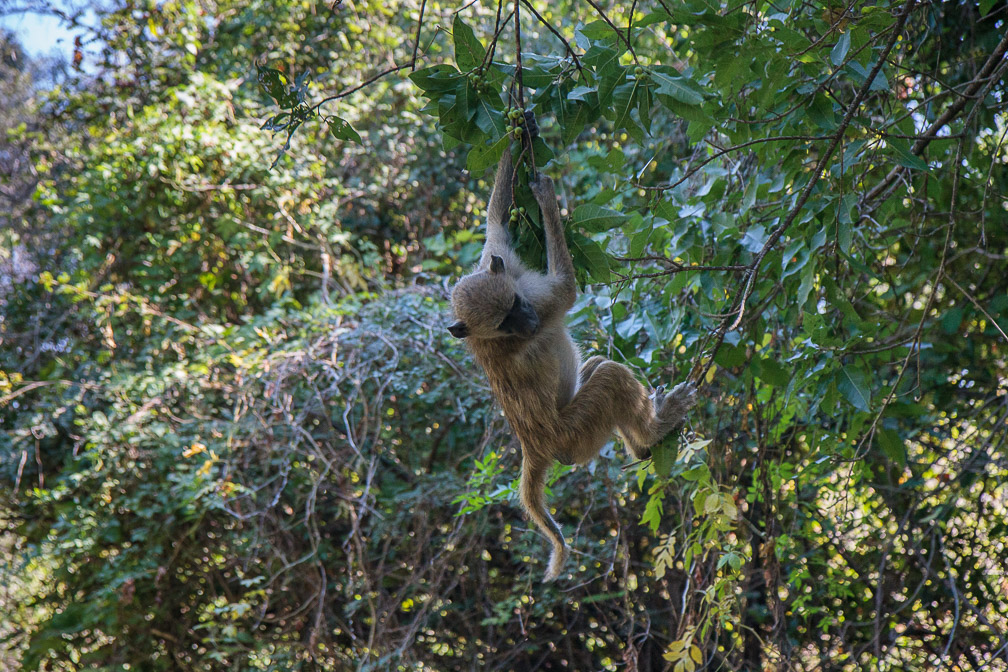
(459, 330)
(496, 264)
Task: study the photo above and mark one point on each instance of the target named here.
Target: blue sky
(40, 35)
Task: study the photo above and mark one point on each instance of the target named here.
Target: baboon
(513, 320)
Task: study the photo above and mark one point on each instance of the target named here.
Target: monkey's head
(487, 305)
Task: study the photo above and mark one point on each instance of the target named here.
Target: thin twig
(388, 71)
(978, 306)
(619, 33)
(556, 33)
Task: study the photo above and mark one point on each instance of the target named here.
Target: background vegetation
(234, 433)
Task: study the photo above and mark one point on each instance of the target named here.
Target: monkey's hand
(531, 125)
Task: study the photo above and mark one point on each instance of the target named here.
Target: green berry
(638, 71)
(521, 210)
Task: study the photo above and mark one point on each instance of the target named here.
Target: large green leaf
(469, 51)
(671, 83)
(853, 384)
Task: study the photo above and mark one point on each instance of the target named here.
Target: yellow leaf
(205, 469)
(696, 654)
(675, 652)
(195, 449)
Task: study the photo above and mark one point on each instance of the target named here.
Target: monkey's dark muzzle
(521, 320)
(527, 324)
(532, 329)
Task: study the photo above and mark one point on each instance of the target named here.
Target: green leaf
(661, 16)
(653, 511)
(639, 240)
(807, 280)
(771, 371)
(539, 71)
(671, 83)
(755, 238)
(859, 73)
(469, 51)
(729, 356)
(712, 503)
(595, 218)
(484, 155)
(590, 256)
(624, 102)
(820, 111)
(794, 258)
(489, 119)
(601, 57)
(342, 129)
(839, 51)
(749, 197)
(663, 457)
(543, 153)
(952, 319)
(892, 445)
(853, 384)
(599, 30)
(904, 157)
(437, 78)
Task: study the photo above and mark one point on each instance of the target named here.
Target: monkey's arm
(558, 259)
(498, 240)
(498, 211)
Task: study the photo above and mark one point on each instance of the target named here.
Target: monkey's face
(487, 306)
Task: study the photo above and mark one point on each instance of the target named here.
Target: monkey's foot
(674, 405)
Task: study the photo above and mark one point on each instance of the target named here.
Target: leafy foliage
(235, 435)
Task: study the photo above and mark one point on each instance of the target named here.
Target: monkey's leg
(610, 398)
(588, 368)
(558, 258)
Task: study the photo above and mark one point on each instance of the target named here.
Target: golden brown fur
(514, 322)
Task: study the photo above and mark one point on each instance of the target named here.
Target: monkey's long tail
(533, 485)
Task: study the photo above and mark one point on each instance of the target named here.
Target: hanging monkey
(513, 320)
